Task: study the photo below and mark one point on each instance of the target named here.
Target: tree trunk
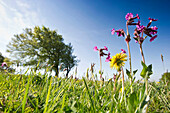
(56, 71)
(68, 70)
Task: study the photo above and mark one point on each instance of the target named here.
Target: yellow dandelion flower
(121, 89)
(117, 61)
(120, 80)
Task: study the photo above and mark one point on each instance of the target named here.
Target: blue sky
(87, 23)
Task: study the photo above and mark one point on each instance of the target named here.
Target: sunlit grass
(39, 93)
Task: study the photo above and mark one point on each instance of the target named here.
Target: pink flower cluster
(102, 53)
(140, 29)
(108, 58)
(119, 32)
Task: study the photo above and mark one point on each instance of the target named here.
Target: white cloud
(15, 17)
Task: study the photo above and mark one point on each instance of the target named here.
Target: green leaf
(145, 37)
(134, 72)
(25, 95)
(128, 73)
(144, 70)
(48, 96)
(149, 69)
(131, 102)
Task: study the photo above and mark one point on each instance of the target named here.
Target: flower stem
(122, 83)
(100, 68)
(146, 85)
(141, 50)
(127, 29)
(130, 66)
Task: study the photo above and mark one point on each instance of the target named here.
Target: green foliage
(128, 73)
(8, 61)
(44, 45)
(33, 92)
(165, 77)
(146, 71)
(68, 59)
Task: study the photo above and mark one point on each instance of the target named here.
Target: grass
(38, 93)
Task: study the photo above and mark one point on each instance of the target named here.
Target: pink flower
(105, 48)
(123, 51)
(137, 16)
(108, 58)
(130, 19)
(152, 19)
(120, 32)
(4, 64)
(154, 28)
(95, 48)
(113, 31)
(153, 38)
(129, 16)
(153, 32)
(139, 27)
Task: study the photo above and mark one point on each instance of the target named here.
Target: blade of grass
(48, 95)
(89, 95)
(25, 95)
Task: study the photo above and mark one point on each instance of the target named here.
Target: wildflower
(101, 53)
(149, 31)
(139, 27)
(120, 80)
(117, 61)
(129, 16)
(121, 89)
(157, 82)
(130, 19)
(120, 32)
(95, 48)
(92, 67)
(162, 58)
(123, 51)
(108, 58)
(110, 79)
(105, 48)
(114, 77)
(4, 64)
(152, 19)
(153, 38)
(137, 16)
(154, 28)
(113, 31)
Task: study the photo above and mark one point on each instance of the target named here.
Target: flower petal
(95, 48)
(105, 48)
(113, 31)
(153, 38)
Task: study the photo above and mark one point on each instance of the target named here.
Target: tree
(39, 44)
(1, 58)
(69, 60)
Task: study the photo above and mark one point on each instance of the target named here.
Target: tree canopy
(44, 45)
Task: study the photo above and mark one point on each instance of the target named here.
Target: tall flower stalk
(101, 53)
(130, 21)
(123, 85)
